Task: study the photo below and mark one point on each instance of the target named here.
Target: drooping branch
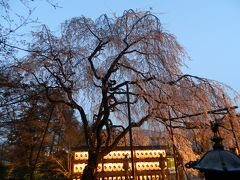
(216, 111)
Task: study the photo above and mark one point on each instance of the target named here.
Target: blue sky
(209, 30)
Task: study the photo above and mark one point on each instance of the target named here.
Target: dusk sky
(209, 30)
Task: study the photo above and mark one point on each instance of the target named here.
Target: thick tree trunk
(90, 170)
(88, 173)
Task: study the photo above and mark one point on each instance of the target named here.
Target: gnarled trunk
(90, 170)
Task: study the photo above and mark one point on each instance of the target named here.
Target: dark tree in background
(31, 140)
(35, 135)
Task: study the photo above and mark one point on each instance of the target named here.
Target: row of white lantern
(111, 167)
(81, 155)
(143, 154)
(78, 168)
(140, 166)
(114, 178)
(145, 177)
(118, 155)
(140, 154)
